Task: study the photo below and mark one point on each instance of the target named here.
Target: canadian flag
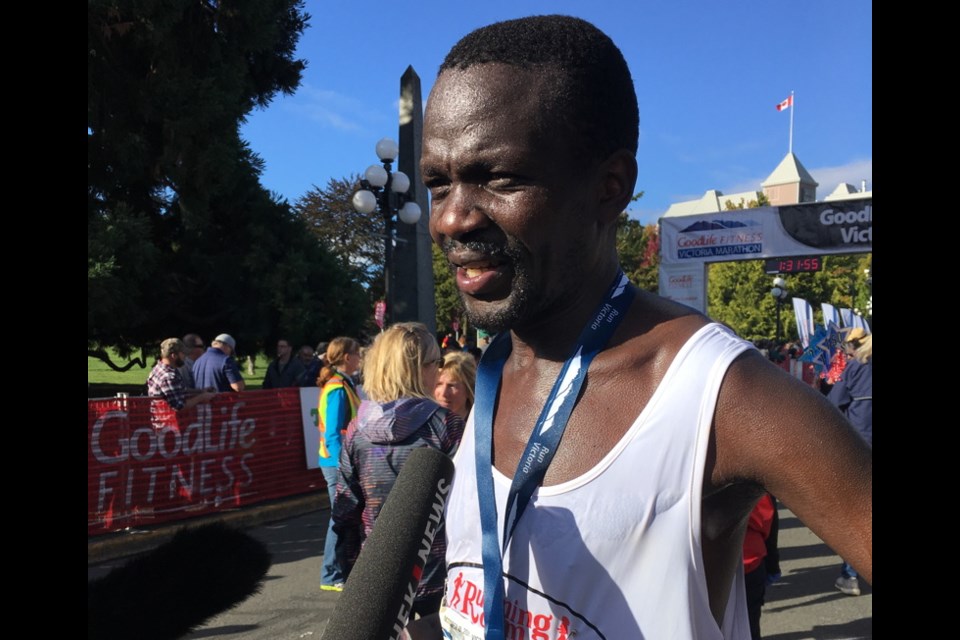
(785, 104)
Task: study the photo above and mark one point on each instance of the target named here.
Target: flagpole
(792, 107)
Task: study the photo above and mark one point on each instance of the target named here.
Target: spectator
(306, 355)
(286, 370)
(337, 407)
(454, 389)
(217, 369)
(165, 383)
(400, 373)
(853, 395)
(754, 556)
(311, 371)
(194, 346)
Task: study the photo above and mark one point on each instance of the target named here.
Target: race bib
(457, 626)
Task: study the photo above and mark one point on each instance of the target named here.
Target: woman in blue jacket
(338, 405)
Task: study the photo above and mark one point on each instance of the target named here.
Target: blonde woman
(458, 376)
(399, 375)
(338, 405)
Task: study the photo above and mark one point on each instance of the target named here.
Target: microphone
(378, 595)
(167, 592)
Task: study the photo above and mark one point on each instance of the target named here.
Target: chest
(609, 401)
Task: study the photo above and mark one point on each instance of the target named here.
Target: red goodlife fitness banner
(147, 464)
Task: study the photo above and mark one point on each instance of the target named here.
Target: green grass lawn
(98, 372)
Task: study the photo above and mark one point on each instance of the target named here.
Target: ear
(618, 177)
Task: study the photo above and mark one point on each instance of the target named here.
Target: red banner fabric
(148, 465)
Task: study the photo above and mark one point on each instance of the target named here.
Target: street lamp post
(780, 294)
(387, 190)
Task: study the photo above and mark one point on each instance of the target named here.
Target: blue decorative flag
(823, 344)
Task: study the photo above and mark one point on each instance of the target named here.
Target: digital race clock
(796, 264)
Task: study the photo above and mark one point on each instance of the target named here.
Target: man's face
(511, 207)
(306, 355)
(283, 349)
(176, 359)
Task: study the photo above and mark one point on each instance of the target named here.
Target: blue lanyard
(543, 440)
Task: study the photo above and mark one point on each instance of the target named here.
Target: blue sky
(708, 76)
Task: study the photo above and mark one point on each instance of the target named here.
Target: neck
(553, 336)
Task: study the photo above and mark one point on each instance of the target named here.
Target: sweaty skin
(529, 228)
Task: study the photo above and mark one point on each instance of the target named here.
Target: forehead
(447, 375)
(486, 108)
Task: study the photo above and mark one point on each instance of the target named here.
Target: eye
(438, 187)
(439, 193)
(505, 182)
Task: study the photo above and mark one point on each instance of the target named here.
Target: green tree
(181, 235)
(638, 247)
(446, 295)
(357, 239)
(761, 201)
(738, 295)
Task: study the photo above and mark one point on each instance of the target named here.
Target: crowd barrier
(148, 465)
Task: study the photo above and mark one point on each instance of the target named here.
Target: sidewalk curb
(121, 544)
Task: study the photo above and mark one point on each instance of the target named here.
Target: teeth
(473, 273)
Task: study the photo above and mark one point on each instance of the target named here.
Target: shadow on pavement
(856, 630)
(222, 631)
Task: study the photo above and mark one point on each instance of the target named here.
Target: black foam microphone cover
(377, 597)
(167, 592)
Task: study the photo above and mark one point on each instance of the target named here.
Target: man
(165, 383)
(306, 355)
(286, 370)
(312, 370)
(635, 527)
(217, 369)
(194, 346)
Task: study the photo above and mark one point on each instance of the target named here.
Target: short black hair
(592, 90)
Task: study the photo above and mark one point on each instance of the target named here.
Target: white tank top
(616, 552)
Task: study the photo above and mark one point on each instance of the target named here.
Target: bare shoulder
(658, 324)
(767, 422)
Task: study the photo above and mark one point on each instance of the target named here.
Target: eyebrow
(476, 167)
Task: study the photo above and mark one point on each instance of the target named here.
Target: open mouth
(481, 276)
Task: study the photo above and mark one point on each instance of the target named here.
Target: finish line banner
(768, 232)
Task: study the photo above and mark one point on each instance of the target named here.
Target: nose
(459, 212)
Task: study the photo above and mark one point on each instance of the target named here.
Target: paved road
(804, 605)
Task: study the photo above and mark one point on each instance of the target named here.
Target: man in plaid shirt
(165, 382)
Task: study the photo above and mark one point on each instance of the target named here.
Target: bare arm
(773, 430)
(202, 396)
